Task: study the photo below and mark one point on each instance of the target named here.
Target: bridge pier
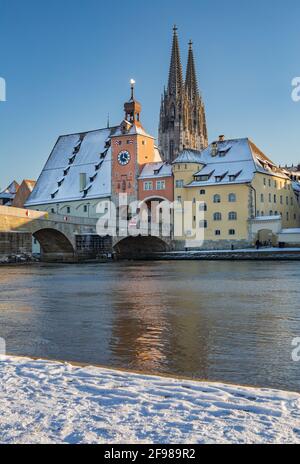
(14, 244)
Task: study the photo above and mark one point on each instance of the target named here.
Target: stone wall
(15, 243)
(209, 245)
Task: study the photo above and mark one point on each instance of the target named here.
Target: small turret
(133, 108)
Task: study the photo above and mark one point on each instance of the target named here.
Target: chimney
(82, 181)
(221, 138)
(214, 149)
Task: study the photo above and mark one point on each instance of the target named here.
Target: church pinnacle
(175, 75)
(182, 114)
(191, 85)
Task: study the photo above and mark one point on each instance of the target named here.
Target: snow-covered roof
(157, 155)
(155, 170)
(296, 186)
(132, 129)
(84, 153)
(267, 218)
(6, 196)
(229, 162)
(189, 156)
(11, 189)
(290, 231)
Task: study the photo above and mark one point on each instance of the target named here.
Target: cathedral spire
(182, 122)
(191, 84)
(175, 75)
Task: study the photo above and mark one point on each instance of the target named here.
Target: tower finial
(108, 121)
(190, 44)
(132, 83)
(175, 29)
(133, 108)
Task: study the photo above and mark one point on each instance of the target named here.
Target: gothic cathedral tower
(182, 115)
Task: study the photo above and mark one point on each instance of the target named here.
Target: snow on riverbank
(49, 402)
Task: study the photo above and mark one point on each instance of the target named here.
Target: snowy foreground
(48, 402)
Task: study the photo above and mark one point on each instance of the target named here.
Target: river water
(222, 321)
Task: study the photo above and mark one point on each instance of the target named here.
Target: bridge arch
(140, 247)
(154, 198)
(55, 246)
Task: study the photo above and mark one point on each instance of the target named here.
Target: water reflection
(230, 322)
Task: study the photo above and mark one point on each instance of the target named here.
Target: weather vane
(132, 83)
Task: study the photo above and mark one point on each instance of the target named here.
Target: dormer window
(98, 166)
(202, 178)
(86, 191)
(93, 177)
(219, 178)
(223, 152)
(233, 177)
(76, 149)
(214, 149)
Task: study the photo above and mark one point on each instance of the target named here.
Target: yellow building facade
(244, 196)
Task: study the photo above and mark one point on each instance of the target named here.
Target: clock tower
(132, 148)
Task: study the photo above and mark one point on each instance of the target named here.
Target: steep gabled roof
(189, 156)
(12, 188)
(229, 162)
(155, 170)
(74, 154)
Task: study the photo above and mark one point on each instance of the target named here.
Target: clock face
(124, 158)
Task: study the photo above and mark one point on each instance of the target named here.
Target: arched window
(203, 206)
(232, 216)
(171, 149)
(217, 198)
(232, 198)
(231, 232)
(217, 216)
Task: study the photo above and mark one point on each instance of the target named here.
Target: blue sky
(67, 63)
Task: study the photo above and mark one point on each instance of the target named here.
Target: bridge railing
(71, 219)
(45, 216)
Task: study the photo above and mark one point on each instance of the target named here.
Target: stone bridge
(62, 238)
(69, 239)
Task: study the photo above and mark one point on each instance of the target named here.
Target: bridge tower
(132, 148)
